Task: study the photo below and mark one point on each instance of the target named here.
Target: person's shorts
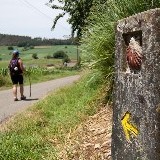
(17, 79)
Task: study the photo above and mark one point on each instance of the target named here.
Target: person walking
(16, 73)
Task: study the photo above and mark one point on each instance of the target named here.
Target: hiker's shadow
(31, 99)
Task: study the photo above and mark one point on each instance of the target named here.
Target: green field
(41, 51)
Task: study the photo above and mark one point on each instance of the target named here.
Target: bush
(10, 48)
(60, 54)
(34, 56)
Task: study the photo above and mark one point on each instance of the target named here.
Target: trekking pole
(29, 83)
(29, 86)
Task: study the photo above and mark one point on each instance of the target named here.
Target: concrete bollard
(136, 109)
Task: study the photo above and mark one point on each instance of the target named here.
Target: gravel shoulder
(8, 107)
(91, 140)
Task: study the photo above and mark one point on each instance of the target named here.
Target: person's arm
(21, 65)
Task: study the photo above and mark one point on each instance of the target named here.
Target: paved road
(8, 107)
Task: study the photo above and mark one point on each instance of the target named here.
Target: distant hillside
(21, 41)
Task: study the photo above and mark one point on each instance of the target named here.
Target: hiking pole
(29, 84)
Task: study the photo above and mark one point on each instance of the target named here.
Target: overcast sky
(31, 18)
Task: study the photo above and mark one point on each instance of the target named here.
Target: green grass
(5, 81)
(34, 62)
(55, 73)
(31, 134)
(41, 51)
(42, 62)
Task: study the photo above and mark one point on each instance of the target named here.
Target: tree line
(22, 41)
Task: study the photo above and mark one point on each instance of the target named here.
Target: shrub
(10, 48)
(60, 54)
(34, 56)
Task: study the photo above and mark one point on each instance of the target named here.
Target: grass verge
(5, 81)
(35, 133)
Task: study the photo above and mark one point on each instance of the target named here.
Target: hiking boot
(23, 98)
(15, 99)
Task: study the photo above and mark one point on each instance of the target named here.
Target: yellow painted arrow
(127, 127)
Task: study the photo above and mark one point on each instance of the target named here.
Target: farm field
(41, 51)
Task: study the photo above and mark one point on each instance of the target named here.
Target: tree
(77, 9)
(59, 54)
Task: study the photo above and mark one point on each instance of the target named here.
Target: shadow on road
(31, 99)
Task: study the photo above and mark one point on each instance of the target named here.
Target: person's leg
(15, 84)
(15, 91)
(21, 90)
(21, 87)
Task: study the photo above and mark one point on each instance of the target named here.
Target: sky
(31, 18)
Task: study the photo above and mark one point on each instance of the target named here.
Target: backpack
(14, 67)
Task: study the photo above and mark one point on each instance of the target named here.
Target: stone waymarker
(136, 114)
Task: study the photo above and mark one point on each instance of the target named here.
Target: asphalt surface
(8, 107)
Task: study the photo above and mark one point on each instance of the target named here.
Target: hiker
(16, 72)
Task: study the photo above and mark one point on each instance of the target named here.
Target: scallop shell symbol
(15, 68)
(134, 55)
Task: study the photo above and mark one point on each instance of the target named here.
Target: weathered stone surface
(138, 93)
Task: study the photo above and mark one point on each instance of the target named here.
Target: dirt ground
(91, 140)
